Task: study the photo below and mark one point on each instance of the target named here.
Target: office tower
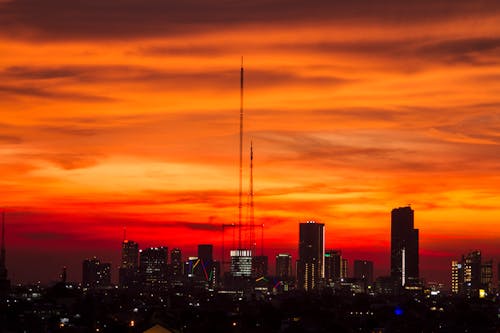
(176, 266)
(4, 281)
(310, 267)
(344, 274)
(209, 269)
(95, 273)
(205, 252)
(129, 268)
(363, 270)
(498, 276)
(455, 272)
(153, 266)
(471, 263)
(404, 247)
(241, 263)
(333, 266)
(259, 266)
(487, 275)
(283, 266)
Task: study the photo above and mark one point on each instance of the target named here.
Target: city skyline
(350, 115)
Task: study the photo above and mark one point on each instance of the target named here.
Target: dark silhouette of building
(363, 271)
(310, 265)
(209, 269)
(468, 274)
(176, 266)
(344, 273)
(95, 273)
(129, 268)
(4, 280)
(205, 252)
(259, 266)
(471, 270)
(487, 275)
(404, 247)
(153, 266)
(333, 266)
(283, 266)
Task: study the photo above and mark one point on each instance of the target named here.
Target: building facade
(404, 247)
(310, 265)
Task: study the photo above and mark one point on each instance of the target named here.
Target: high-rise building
(404, 247)
(333, 266)
(96, 273)
(283, 266)
(471, 263)
(363, 270)
(176, 266)
(4, 280)
(259, 266)
(344, 274)
(129, 268)
(487, 275)
(455, 273)
(310, 265)
(241, 263)
(153, 266)
(205, 252)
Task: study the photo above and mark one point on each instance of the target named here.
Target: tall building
(363, 270)
(129, 268)
(205, 252)
(344, 274)
(404, 247)
(241, 263)
(487, 275)
(259, 266)
(283, 266)
(4, 280)
(471, 265)
(455, 273)
(310, 265)
(176, 266)
(96, 273)
(153, 266)
(209, 269)
(333, 266)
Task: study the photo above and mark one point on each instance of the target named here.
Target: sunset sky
(126, 113)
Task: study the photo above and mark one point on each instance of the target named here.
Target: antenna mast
(252, 220)
(241, 155)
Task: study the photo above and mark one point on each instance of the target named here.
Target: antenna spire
(241, 155)
(252, 219)
(2, 254)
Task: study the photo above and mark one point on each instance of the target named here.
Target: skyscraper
(487, 275)
(4, 281)
(96, 273)
(310, 265)
(241, 263)
(176, 266)
(129, 268)
(153, 266)
(333, 266)
(471, 265)
(404, 247)
(455, 272)
(344, 273)
(283, 266)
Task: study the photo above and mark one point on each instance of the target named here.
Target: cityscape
(162, 291)
(264, 166)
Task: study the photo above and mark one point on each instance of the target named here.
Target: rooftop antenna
(241, 154)
(252, 219)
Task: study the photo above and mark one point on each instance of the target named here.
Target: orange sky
(126, 113)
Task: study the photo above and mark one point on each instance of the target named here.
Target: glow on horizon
(350, 117)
